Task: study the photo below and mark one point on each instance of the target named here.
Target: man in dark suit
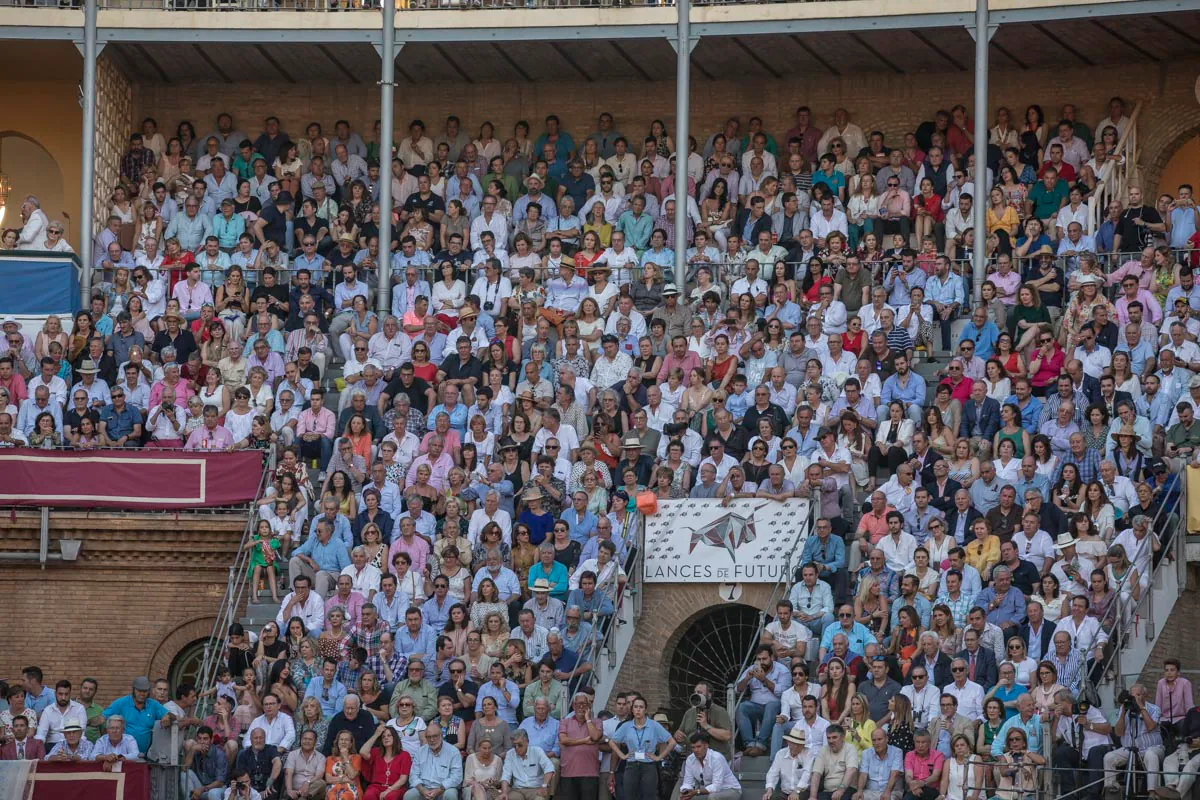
(22, 746)
(942, 488)
(923, 458)
(980, 416)
(758, 220)
(1110, 398)
(961, 516)
(981, 661)
(935, 662)
(1037, 631)
(1082, 382)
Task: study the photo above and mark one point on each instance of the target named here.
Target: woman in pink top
(1045, 364)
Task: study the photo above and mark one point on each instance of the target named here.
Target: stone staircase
(752, 774)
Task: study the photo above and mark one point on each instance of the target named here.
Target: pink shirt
(579, 761)
(1174, 701)
(353, 606)
(192, 298)
(922, 768)
(1006, 286)
(1132, 267)
(182, 392)
(1150, 305)
(688, 363)
(202, 438)
(417, 549)
(439, 470)
(322, 422)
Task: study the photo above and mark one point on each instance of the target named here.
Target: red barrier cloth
(128, 479)
(87, 780)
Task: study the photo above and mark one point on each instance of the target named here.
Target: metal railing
(231, 602)
(1124, 619)
(603, 642)
(1124, 168)
(367, 5)
(779, 592)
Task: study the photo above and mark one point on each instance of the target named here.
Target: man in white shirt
(828, 220)
(302, 602)
(707, 773)
(924, 696)
(364, 577)
(968, 693)
(619, 259)
(491, 512)
(488, 220)
(33, 229)
(791, 769)
(751, 284)
(1087, 637)
(56, 716)
(1118, 488)
(279, 728)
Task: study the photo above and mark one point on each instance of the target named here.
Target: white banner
(703, 541)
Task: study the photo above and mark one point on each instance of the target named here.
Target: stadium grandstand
(386, 414)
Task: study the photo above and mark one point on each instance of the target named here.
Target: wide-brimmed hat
(467, 313)
(1045, 250)
(535, 177)
(670, 290)
(87, 367)
(534, 494)
(1127, 430)
(631, 441)
(796, 736)
(1064, 541)
(541, 585)
(345, 237)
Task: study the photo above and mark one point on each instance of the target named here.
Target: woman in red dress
(385, 765)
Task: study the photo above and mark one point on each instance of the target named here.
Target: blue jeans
(749, 713)
(911, 410)
(777, 734)
(817, 626)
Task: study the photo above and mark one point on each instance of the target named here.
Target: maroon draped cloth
(128, 479)
(87, 780)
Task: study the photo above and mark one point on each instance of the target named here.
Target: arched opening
(712, 648)
(185, 667)
(1183, 167)
(31, 170)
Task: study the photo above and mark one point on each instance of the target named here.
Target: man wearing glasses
(968, 693)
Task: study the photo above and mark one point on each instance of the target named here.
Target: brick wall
(114, 123)
(144, 587)
(893, 103)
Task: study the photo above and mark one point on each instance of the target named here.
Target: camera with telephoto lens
(700, 701)
(1082, 707)
(1127, 701)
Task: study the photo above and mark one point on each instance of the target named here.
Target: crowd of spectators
(450, 534)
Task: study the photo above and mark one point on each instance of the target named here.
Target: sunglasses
(958, 669)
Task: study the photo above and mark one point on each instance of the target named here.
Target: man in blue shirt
(321, 558)
(38, 696)
(1030, 407)
(784, 310)
(763, 683)
(904, 386)
(828, 552)
(140, 712)
(416, 639)
(581, 521)
(327, 689)
(982, 331)
(437, 766)
(1005, 606)
(120, 423)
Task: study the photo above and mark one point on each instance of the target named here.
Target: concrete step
(753, 769)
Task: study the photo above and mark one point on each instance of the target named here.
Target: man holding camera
(708, 717)
(1082, 739)
(1137, 725)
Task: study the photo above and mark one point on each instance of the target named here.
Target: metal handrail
(778, 592)
(1112, 664)
(231, 602)
(1118, 177)
(605, 642)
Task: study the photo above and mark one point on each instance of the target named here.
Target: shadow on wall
(31, 170)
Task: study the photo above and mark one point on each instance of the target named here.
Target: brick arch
(1167, 132)
(174, 641)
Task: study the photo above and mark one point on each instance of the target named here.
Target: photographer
(705, 715)
(1137, 725)
(1081, 739)
(239, 787)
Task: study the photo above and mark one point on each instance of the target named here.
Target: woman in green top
(1027, 317)
(1010, 418)
(993, 721)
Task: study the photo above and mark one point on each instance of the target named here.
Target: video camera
(700, 701)
(1127, 701)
